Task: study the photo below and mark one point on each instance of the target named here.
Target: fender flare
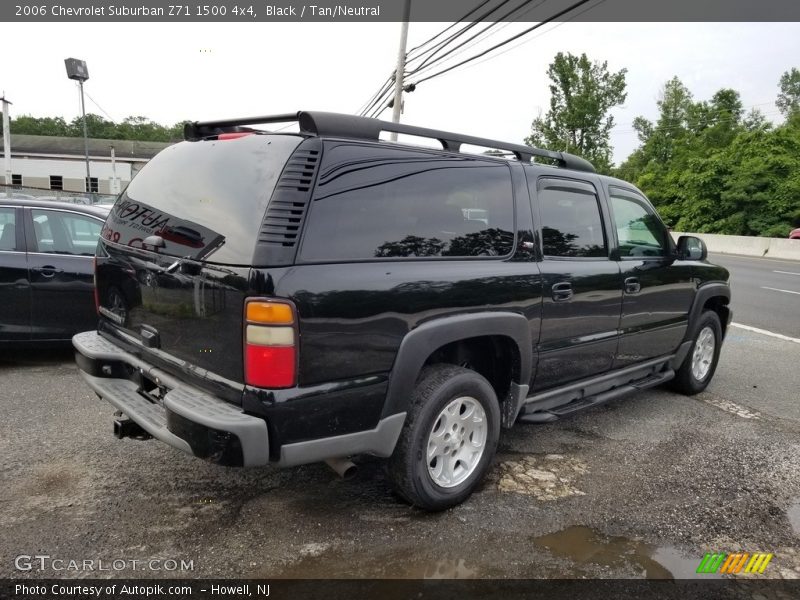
(421, 342)
(703, 295)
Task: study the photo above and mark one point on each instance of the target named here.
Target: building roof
(73, 146)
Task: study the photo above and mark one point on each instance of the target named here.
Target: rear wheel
(698, 367)
(449, 438)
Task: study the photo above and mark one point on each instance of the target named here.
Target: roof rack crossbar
(336, 124)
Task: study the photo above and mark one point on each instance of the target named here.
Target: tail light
(94, 282)
(270, 344)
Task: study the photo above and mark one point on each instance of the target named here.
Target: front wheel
(698, 367)
(449, 438)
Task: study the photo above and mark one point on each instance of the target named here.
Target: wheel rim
(456, 442)
(703, 354)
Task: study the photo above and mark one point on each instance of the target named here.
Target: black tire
(686, 382)
(437, 387)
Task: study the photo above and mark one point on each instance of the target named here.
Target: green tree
(26, 124)
(789, 97)
(581, 95)
(709, 167)
(131, 128)
(96, 127)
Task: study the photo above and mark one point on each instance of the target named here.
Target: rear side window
(571, 221)
(8, 229)
(377, 202)
(204, 199)
(59, 232)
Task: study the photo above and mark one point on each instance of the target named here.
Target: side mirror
(691, 248)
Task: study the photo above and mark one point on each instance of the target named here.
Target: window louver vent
(287, 207)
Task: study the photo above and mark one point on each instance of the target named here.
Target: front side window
(571, 222)
(377, 202)
(59, 232)
(639, 230)
(8, 229)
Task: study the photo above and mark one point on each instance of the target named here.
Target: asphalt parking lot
(640, 487)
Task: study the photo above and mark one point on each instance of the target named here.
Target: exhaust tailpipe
(343, 467)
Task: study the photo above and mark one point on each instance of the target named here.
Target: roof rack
(342, 125)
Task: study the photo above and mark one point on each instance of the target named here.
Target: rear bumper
(187, 418)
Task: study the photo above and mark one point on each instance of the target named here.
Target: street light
(77, 70)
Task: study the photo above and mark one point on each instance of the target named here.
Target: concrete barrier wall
(748, 245)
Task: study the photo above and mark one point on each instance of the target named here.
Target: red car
(795, 234)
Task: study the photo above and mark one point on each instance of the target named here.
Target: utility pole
(6, 145)
(397, 106)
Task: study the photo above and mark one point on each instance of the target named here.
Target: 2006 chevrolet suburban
(285, 298)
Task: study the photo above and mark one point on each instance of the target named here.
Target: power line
(102, 110)
(367, 106)
(446, 29)
(472, 41)
(539, 35)
(370, 104)
(467, 45)
(441, 45)
(508, 41)
(378, 98)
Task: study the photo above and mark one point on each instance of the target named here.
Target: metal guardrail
(29, 193)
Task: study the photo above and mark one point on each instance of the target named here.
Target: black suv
(285, 298)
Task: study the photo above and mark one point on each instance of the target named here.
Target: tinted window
(59, 232)
(639, 230)
(378, 202)
(8, 229)
(571, 222)
(205, 199)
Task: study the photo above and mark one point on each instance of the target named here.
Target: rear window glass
(571, 223)
(205, 199)
(376, 202)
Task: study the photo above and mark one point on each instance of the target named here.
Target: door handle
(47, 270)
(632, 285)
(561, 291)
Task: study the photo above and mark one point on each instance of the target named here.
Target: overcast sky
(174, 71)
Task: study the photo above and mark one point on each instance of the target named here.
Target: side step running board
(546, 416)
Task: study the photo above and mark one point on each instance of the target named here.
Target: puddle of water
(793, 514)
(406, 564)
(585, 546)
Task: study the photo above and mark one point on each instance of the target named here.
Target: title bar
(247, 11)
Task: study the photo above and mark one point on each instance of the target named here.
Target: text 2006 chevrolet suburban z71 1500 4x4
(285, 298)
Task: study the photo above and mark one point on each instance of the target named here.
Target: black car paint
(46, 297)
(354, 317)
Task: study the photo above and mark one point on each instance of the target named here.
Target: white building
(58, 163)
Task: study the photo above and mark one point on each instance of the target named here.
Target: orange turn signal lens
(271, 313)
